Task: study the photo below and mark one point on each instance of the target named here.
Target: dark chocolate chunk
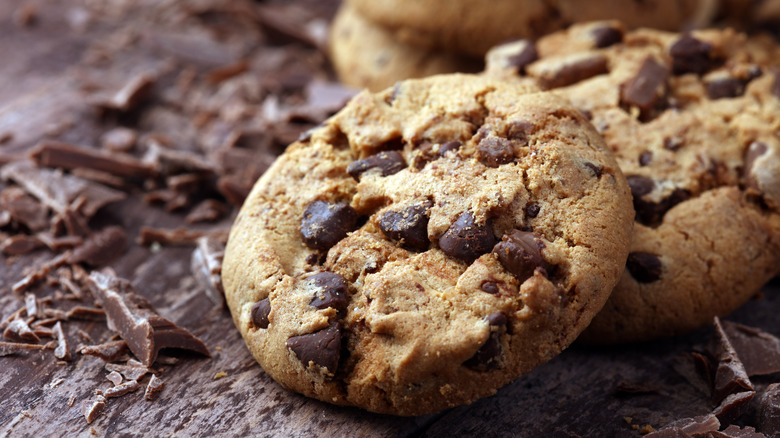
(754, 151)
(466, 240)
(389, 162)
(605, 36)
(769, 410)
(595, 169)
(730, 374)
(321, 347)
(526, 54)
(488, 357)
(426, 152)
(325, 223)
(24, 209)
(640, 185)
(649, 212)
(688, 427)
(532, 210)
(690, 55)
(520, 252)
(733, 406)
(645, 158)
(725, 87)
(134, 319)
(93, 408)
(490, 287)
(644, 267)
(101, 248)
(495, 151)
(331, 291)
(68, 156)
(758, 350)
(122, 389)
(408, 226)
(260, 311)
(734, 431)
(646, 87)
(574, 69)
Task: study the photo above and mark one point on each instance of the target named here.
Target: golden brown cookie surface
(427, 245)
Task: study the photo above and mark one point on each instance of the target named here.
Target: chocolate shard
(688, 427)
(488, 357)
(177, 236)
(154, 388)
(115, 378)
(690, 55)
(467, 240)
(18, 331)
(321, 348)
(39, 273)
(19, 244)
(134, 319)
(208, 210)
(389, 162)
(122, 389)
(520, 252)
(109, 351)
(769, 410)
(733, 406)
(62, 352)
(758, 350)
(646, 87)
(86, 313)
(408, 226)
(606, 35)
(10, 348)
(24, 209)
(91, 409)
(166, 161)
(206, 266)
(259, 313)
(730, 375)
(734, 431)
(325, 223)
(132, 93)
(644, 267)
(69, 156)
(101, 248)
(129, 371)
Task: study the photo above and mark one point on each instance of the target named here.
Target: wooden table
(583, 392)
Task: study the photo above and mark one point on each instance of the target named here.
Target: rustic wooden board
(576, 394)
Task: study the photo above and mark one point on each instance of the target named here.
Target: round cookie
(473, 27)
(427, 244)
(365, 55)
(694, 121)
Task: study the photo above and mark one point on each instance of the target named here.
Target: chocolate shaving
(86, 313)
(18, 330)
(168, 161)
(154, 388)
(758, 350)
(734, 431)
(24, 209)
(133, 317)
(69, 156)
(58, 244)
(121, 389)
(178, 236)
(109, 351)
(32, 306)
(129, 96)
(9, 348)
(20, 244)
(129, 372)
(62, 352)
(101, 248)
(206, 266)
(93, 408)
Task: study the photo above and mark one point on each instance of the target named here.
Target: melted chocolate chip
(532, 210)
(595, 169)
(690, 55)
(389, 162)
(646, 87)
(488, 357)
(753, 152)
(409, 226)
(495, 151)
(331, 291)
(467, 240)
(644, 267)
(260, 312)
(645, 158)
(606, 36)
(321, 347)
(526, 55)
(489, 287)
(725, 87)
(325, 223)
(520, 252)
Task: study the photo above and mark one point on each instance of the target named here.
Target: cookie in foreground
(694, 122)
(427, 245)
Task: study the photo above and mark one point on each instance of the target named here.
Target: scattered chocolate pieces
(68, 156)
(101, 247)
(178, 236)
(129, 371)
(133, 317)
(9, 348)
(688, 427)
(18, 330)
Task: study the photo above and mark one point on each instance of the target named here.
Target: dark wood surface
(580, 393)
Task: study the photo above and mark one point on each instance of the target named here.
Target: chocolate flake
(93, 408)
(178, 236)
(331, 291)
(734, 431)
(520, 252)
(10, 348)
(129, 372)
(62, 352)
(69, 156)
(209, 210)
(18, 330)
(19, 244)
(109, 351)
(321, 348)
(325, 223)
(555, 73)
(154, 388)
(101, 248)
(134, 319)
(408, 226)
(122, 389)
(115, 378)
(466, 240)
(688, 427)
(757, 350)
(644, 267)
(86, 313)
(488, 357)
(130, 95)
(206, 267)
(24, 209)
(733, 406)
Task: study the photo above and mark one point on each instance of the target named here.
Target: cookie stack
(435, 240)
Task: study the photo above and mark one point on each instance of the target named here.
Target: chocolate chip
(495, 151)
(725, 87)
(520, 130)
(489, 287)
(426, 152)
(595, 169)
(321, 347)
(646, 87)
(525, 55)
(467, 240)
(520, 252)
(651, 213)
(644, 267)
(645, 158)
(673, 143)
(260, 312)
(575, 68)
(690, 55)
(532, 210)
(331, 291)
(325, 223)
(640, 185)
(453, 145)
(488, 357)
(389, 162)
(754, 151)
(605, 36)
(409, 226)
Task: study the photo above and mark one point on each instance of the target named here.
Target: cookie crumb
(220, 375)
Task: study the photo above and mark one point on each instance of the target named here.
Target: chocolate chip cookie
(428, 244)
(365, 55)
(473, 27)
(694, 120)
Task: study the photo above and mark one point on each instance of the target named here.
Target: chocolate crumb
(154, 388)
(129, 372)
(121, 389)
(91, 409)
(115, 378)
(109, 351)
(62, 351)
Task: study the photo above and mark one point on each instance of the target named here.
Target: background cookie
(473, 27)
(693, 120)
(367, 56)
(427, 245)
